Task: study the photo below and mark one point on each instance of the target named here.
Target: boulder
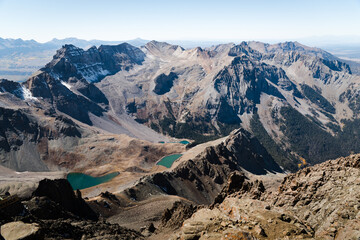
(20, 231)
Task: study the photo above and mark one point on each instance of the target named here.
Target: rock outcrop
(55, 212)
(319, 202)
(173, 218)
(60, 192)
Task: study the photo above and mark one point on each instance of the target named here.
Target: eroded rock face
(326, 195)
(242, 82)
(319, 202)
(238, 184)
(173, 218)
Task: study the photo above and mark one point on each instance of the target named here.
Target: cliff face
(241, 84)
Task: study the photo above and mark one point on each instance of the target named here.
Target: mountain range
(251, 113)
(300, 102)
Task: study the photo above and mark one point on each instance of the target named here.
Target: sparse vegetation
(307, 138)
(314, 143)
(281, 157)
(317, 99)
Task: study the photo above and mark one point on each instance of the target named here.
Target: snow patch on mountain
(68, 86)
(27, 95)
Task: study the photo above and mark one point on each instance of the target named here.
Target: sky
(221, 20)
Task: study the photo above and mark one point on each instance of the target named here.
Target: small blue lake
(82, 181)
(182, 142)
(168, 160)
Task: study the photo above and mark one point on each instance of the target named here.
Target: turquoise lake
(168, 160)
(182, 142)
(82, 181)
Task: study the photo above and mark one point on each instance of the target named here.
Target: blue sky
(179, 20)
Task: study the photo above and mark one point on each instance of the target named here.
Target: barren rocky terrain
(320, 202)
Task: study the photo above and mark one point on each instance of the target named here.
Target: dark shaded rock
(60, 191)
(15, 125)
(46, 208)
(11, 87)
(174, 217)
(163, 83)
(227, 114)
(67, 126)
(161, 181)
(10, 206)
(54, 92)
(336, 65)
(91, 91)
(241, 84)
(238, 185)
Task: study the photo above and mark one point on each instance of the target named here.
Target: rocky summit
(231, 141)
(319, 202)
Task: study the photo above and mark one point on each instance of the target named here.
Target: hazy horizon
(317, 41)
(161, 20)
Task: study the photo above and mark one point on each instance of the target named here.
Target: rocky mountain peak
(162, 48)
(71, 50)
(244, 49)
(95, 63)
(157, 44)
(122, 52)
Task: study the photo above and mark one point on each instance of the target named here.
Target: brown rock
(20, 231)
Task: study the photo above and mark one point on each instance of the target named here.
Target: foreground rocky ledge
(319, 202)
(54, 211)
